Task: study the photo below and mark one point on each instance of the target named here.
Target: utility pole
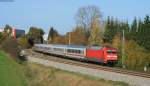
(123, 53)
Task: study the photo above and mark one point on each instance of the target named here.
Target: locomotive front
(110, 55)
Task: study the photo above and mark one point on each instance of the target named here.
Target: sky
(60, 14)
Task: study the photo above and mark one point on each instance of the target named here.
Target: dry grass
(39, 75)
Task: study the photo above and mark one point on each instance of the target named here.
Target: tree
(138, 57)
(59, 40)
(110, 29)
(52, 34)
(1, 35)
(95, 36)
(145, 32)
(134, 29)
(36, 34)
(117, 42)
(77, 37)
(143, 37)
(7, 31)
(23, 42)
(7, 28)
(86, 17)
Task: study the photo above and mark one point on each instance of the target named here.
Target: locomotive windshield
(111, 51)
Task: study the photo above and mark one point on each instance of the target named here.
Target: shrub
(23, 42)
(10, 46)
(1, 37)
(137, 56)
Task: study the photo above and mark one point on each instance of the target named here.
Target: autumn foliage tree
(35, 34)
(23, 42)
(89, 18)
(59, 39)
(77, 36)
(137, 56)
(95, 33)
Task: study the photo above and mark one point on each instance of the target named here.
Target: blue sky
(60, 14)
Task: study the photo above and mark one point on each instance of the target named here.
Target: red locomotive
(102, 54)
(93, 53)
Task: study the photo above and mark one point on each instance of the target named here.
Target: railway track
(87, 65)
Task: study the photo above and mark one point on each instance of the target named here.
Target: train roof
(76, 46)
(73, 46)
(66, 46)
(95, 47)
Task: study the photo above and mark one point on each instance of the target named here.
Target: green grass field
(10, 72)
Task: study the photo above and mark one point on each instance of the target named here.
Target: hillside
(10, 72)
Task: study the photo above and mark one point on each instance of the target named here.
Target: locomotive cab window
(111, 51)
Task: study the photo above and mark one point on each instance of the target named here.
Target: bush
(10, 46)
(23, 42)
(1, 37)
(137, 56)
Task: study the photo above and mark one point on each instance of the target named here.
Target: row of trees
(138, 31)
(88, 30)
(137, 45)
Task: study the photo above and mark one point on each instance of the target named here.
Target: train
(16, 33)
(100, 54)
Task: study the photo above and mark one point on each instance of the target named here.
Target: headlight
(109, 56)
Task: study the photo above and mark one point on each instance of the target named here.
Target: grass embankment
(10, 72)
(39, 75)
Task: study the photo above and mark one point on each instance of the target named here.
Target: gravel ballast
(130, 79)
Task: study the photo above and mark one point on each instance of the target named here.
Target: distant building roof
(1, 30)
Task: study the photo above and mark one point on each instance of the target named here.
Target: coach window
(82, 52)
(77, 51)
(68, 50)
(73, 51)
